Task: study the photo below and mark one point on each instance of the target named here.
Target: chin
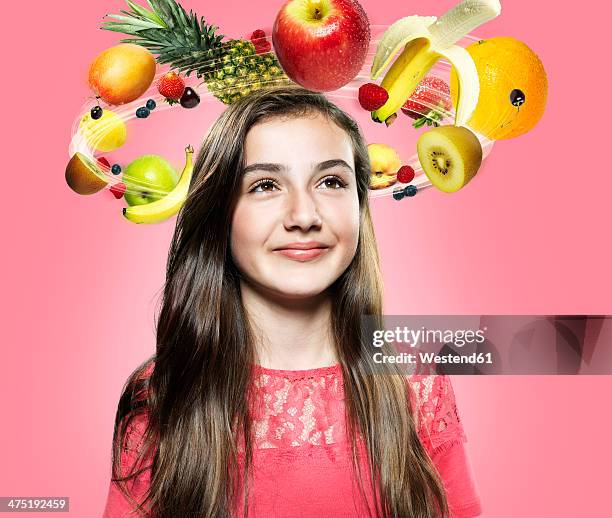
(299, 290)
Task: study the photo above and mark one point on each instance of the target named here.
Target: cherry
(189, 99)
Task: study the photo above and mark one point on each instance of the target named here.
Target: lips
(302, 254)
(303, 245)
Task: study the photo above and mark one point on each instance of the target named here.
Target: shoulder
(136, 388)
(435, 410)
(441, 432)
(134, 415)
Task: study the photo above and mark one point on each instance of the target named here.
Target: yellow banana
(426, 40)
(170, 204)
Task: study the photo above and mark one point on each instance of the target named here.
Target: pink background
(528, 236)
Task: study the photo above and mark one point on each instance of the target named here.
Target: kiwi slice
(450, 156)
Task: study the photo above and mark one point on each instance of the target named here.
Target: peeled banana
(170, 204)
(427, 39)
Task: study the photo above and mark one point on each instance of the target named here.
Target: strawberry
(372, 96)
(428, 102)
(118, 189)
(171, 86)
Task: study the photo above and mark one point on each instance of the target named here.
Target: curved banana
(170, 204)
(427, 39)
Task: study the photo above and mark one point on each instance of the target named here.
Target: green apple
(148, 178)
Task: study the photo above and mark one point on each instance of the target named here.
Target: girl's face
(298, 186)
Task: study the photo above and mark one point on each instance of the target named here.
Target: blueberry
(142, 112)
(151, 104)
(410, 190)
(96, 112)
(116, 169)
(398, 194)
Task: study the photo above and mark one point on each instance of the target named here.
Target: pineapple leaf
(195, 26)
(119, 27)
(150, 15)
(131, 15)
(180, 13)
(164, 11)
(180, 39)
(129, 20)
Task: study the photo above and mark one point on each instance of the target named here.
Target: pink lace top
(301, 457)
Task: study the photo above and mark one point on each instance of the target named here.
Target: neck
(290, 333)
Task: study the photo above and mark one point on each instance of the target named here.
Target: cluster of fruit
(449, 155)
(231, 69)
(498, 88)
(405, 175)
(149, 184)
(105, 164)
(172, 87)
(155, 192)
(387, 168)
(321, 45)
(429, 104)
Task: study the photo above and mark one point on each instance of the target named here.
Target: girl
(261, 397)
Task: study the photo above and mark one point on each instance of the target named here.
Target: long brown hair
(195, 399)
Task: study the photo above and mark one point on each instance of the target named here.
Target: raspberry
(258, 37)
(262, 47)
(372, 97)
(405, 174)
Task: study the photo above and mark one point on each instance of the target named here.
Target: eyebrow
(282, 168)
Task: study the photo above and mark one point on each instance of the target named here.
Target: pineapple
(231, 69)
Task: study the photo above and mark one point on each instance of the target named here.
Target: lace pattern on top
(435, 411)
(293, 408)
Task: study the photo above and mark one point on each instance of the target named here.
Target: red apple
(321, 44)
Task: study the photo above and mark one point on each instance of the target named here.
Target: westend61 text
(433, 358)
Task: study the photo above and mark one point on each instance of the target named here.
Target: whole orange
(122, 73)
(513, 88)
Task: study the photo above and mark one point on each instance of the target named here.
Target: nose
(301, 211)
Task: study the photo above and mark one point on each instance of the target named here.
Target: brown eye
(330, 180)
(261, 183)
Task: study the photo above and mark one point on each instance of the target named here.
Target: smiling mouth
(296, 254)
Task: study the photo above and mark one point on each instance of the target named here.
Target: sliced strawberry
(104, 162)
(118, 189)
(372, 96)
(429, 103)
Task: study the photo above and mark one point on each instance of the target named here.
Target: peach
(122, 73)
